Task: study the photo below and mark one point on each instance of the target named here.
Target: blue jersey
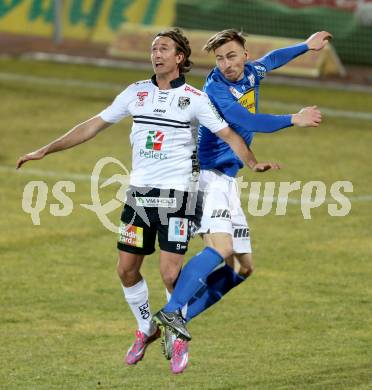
(237, 102)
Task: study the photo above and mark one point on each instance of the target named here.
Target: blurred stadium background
(303, 321)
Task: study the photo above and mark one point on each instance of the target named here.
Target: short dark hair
(182, 46)
(223, 37)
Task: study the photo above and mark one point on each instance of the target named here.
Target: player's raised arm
(241, 149)
(280, 57)
(77, 135)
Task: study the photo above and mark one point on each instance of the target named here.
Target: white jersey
(164, 130)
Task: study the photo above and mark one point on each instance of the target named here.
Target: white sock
(183, 310)
(137, 297)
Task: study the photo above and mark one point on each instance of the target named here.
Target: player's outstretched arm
(245, 122)
(241, 149)
(307, 117)
(77, 135)
(282, 56)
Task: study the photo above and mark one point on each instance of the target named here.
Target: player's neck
(164, 80)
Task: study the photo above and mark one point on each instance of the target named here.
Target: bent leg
(192, 277)
(242, 263)
(237, 268)
(217, 284)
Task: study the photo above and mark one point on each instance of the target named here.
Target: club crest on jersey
(141, 98)
(183, 102)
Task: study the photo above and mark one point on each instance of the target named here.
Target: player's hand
(265, 166)
(318, 40)
(37, 155)
(307, 117)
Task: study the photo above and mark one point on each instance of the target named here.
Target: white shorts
(222, 212)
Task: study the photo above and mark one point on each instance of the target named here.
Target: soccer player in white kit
(166, 112)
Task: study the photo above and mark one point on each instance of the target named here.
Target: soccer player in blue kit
(233, 87)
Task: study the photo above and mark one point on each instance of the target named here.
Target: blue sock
(218, 283)
(192, 277)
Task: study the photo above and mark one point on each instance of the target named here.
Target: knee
(220, 242)
(127, 275)
(169, 277)
(120, 270)
(246, 270)
(224, 249)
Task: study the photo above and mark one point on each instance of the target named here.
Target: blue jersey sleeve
(278, 58)
(244, 122)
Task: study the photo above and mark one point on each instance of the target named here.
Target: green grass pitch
(304, 319)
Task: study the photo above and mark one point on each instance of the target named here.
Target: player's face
(164, 58)
(230, 59)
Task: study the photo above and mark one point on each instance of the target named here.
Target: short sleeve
(118, 108)
(208, 116)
